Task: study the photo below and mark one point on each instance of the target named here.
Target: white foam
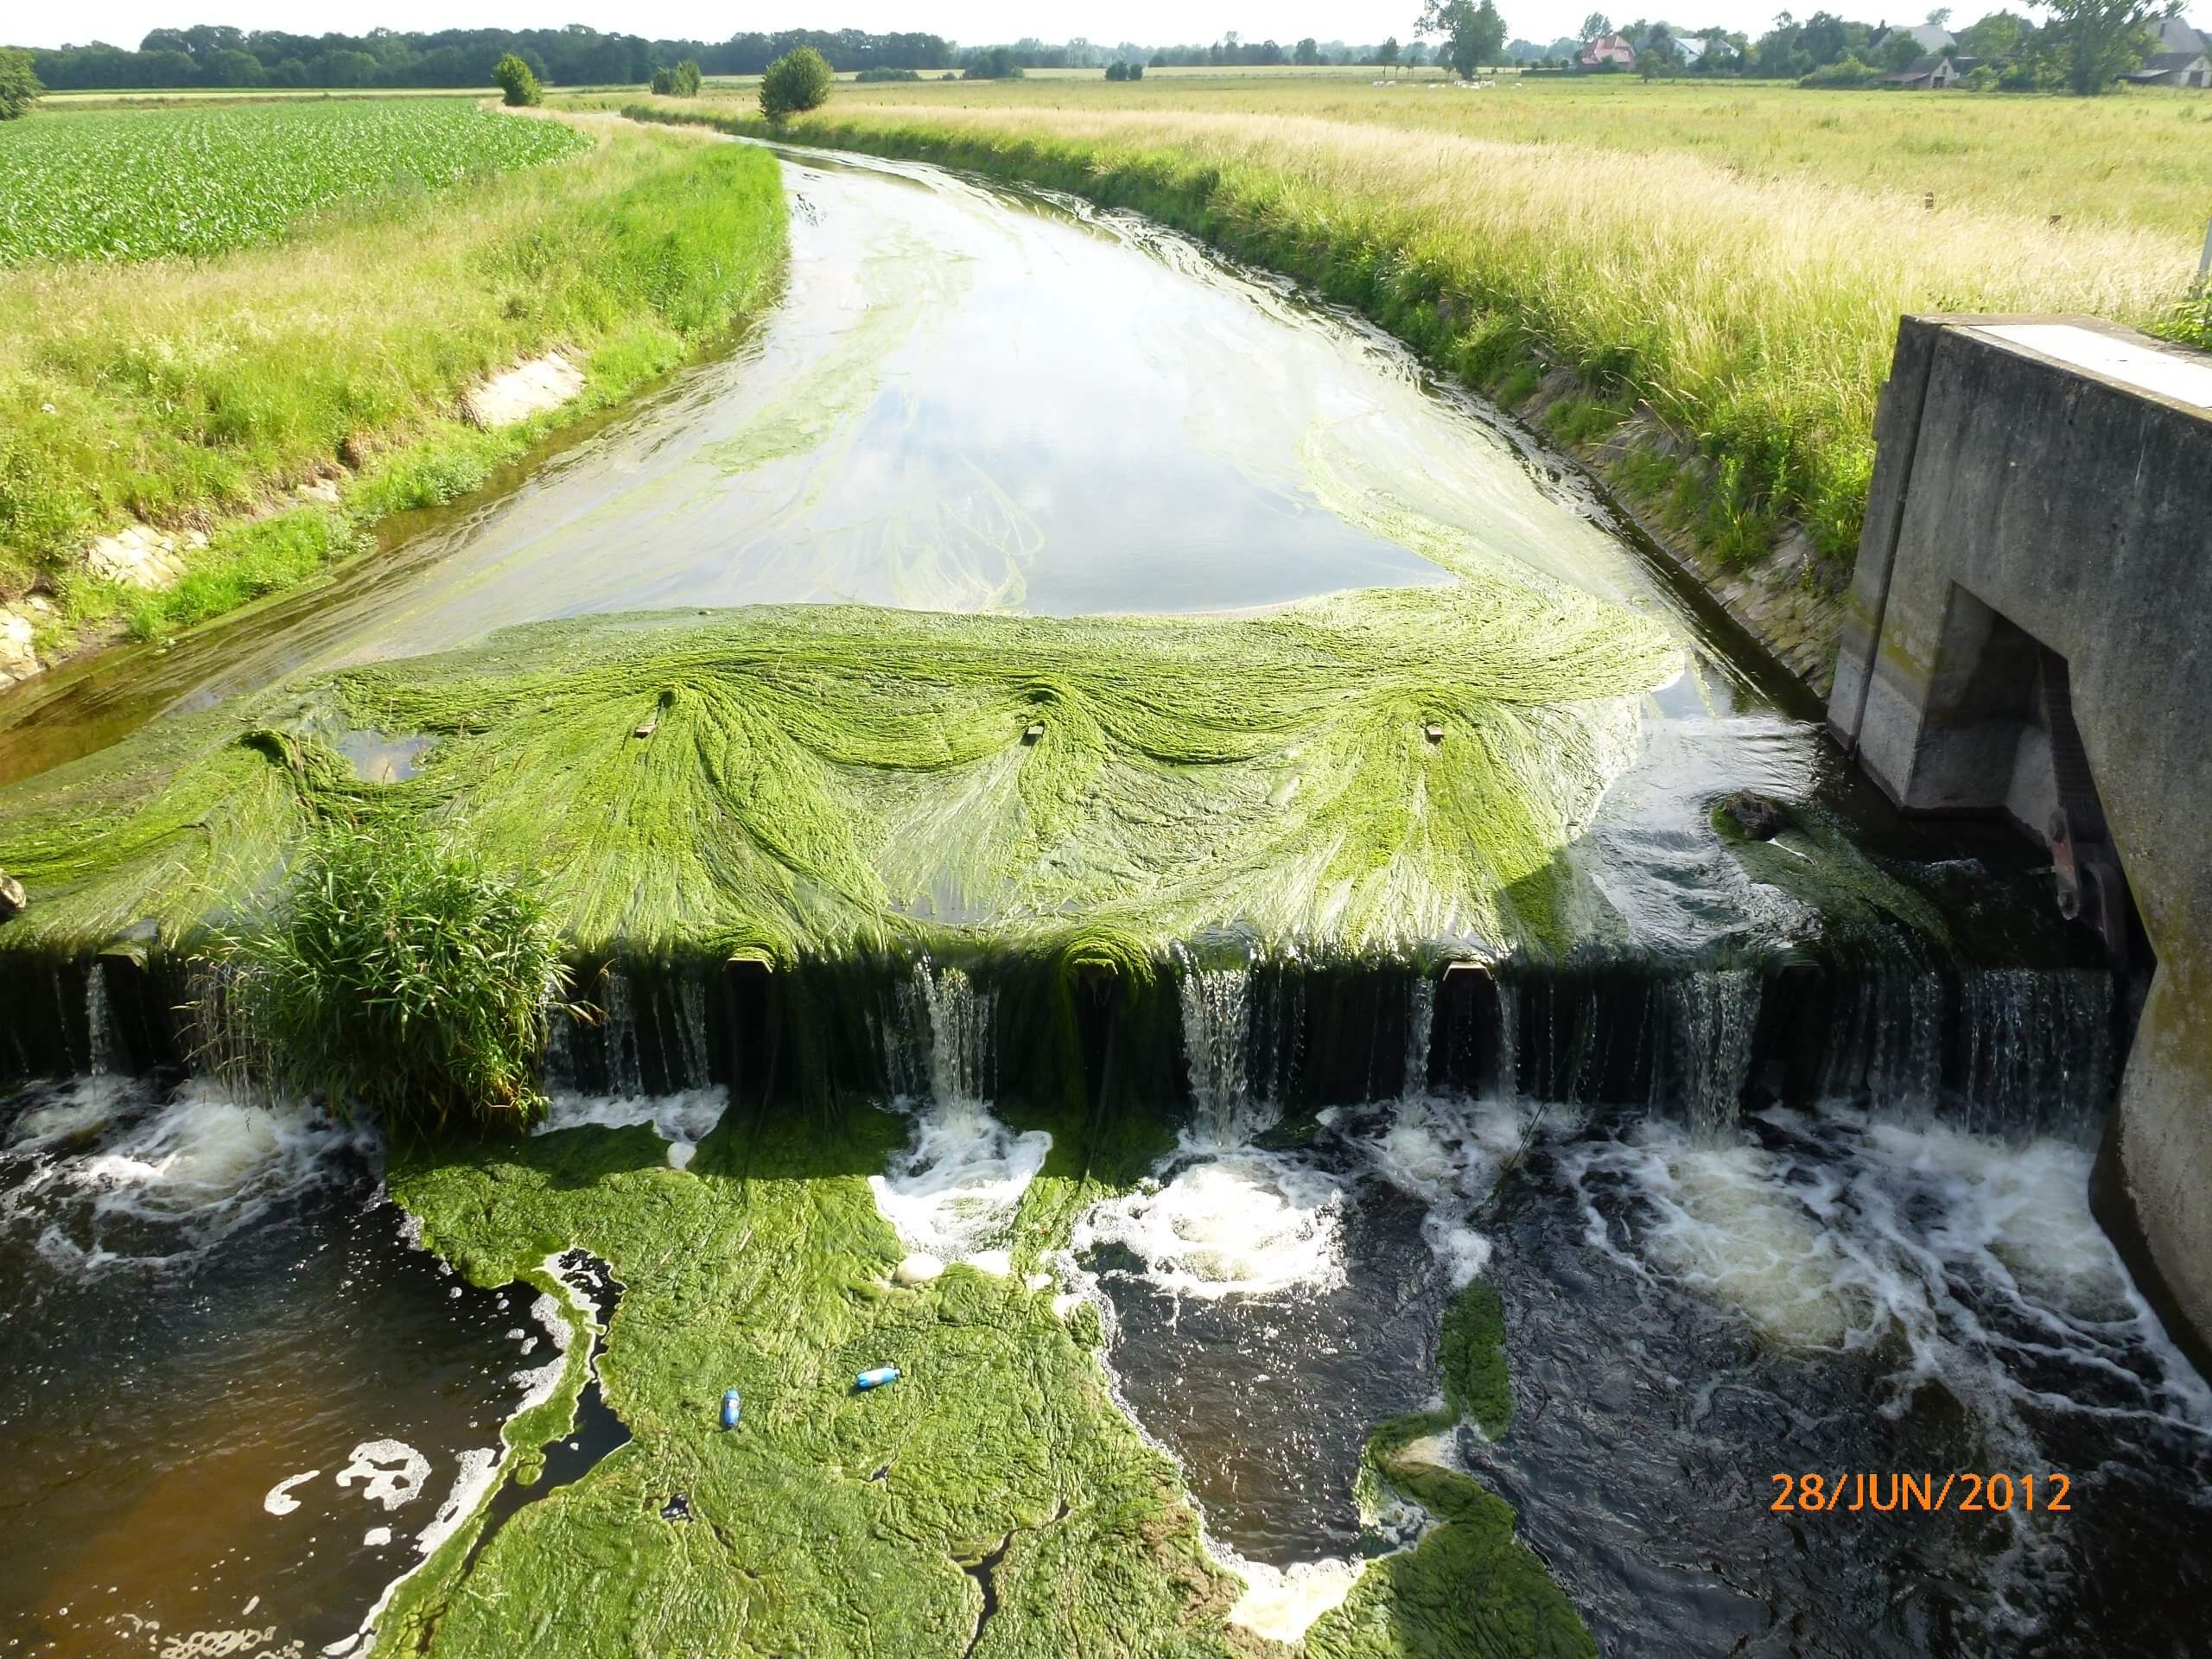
(1977, 1262)
(376, 1537)
(1447, 1153)
(952, 1193)
(393, 1471)
(1249, 1224)
(280, 1500)
(682, 1120)
(165, 1179)
(1281, 1604)
(478, 1473)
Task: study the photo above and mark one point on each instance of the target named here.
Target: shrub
(795, 83)
(677, 80)
(997, 64)
(1117, 71)
(517, 82)
(888, 74)
(19, 87)
(1845, 71)
(400, 979)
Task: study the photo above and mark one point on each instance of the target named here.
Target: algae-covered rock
(1752, 815)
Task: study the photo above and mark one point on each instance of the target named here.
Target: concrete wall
(2044, 485)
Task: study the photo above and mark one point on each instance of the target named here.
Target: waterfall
(689, 1050)
(99, 1022)
(947, 1034)
(1708, 1020)
(1509, 1040)
(559, 1069)
(625, 1074)
(2037, 1048)
(1420, 1027)
(1217, 1007)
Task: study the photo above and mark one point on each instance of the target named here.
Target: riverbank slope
(184, 436)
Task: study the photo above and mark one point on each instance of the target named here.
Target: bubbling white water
(1243, 1224)
(682, 1120)
(1962, 1260)
(952, 1191)
(117, 1175)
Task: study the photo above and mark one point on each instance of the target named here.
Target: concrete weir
(2030, 619)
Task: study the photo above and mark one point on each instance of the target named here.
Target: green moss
(1471, 1357)
(816, 781)
(764, 1268)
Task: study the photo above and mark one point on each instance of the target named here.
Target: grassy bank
(1753, 314)
(838, 1522)
(207, 394)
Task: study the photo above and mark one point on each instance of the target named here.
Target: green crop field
(121, 184)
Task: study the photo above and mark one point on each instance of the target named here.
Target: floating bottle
(876, 1378)
(732, 1409)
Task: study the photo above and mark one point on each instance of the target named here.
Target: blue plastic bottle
(731, 1409)
(876, 1378)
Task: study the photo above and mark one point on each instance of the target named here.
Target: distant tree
(1595, 24)
(1825, 36)
(1308, 51)
(2097, 42)
(795, 83)
(997, 64)
(516, 81)
(1474, 34)
(1137, 72)
(19, 87)
(1117, 71)
(678, 80)
(231, 68)
(1939, 17)
(2000, 34)
(1159, 60)
(1900, 51)
(1388, 52)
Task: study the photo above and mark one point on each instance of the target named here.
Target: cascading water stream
(952, 1193)
(100, 1023)
(1709, 1019)
(1216, 1010)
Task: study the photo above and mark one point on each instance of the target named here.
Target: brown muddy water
(236, 1402)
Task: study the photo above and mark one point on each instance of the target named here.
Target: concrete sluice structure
(2027, 636)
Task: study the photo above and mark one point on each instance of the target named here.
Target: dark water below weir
(205, 1301)
(1687, 1317)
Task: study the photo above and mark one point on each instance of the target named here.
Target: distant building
(1932, 38)
(2180, 56)
(1608, 48)
(1930, 74)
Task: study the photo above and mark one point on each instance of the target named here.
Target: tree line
(2082, 47)
(209, 54)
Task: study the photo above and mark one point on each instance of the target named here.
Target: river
(240, 1401)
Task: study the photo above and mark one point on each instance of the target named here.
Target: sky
(1150, 23)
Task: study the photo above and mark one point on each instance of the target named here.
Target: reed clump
(397, 979)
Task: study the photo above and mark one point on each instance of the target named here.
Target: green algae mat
(1372, 773)
(834, 1522)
